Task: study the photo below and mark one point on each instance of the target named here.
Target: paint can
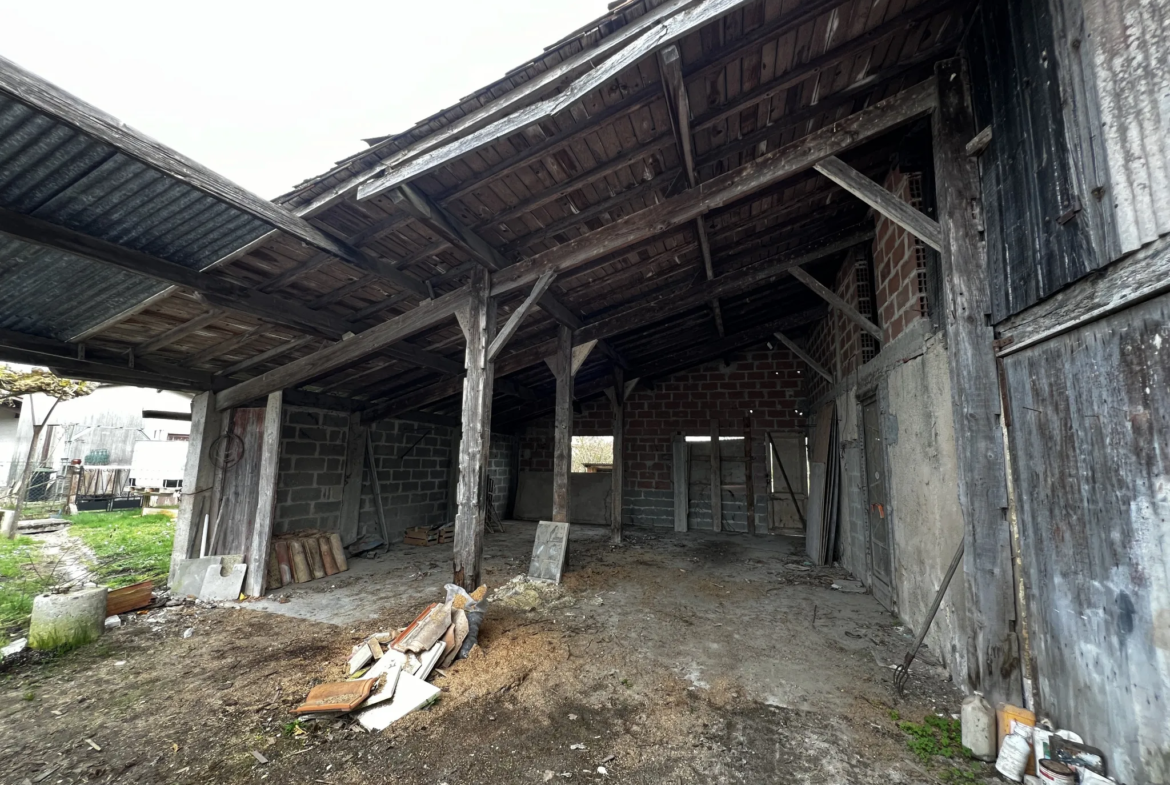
(1053, 772)
(1013, 756)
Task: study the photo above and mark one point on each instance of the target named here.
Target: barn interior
(776, 227)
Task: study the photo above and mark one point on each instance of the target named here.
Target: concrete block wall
(312, 467)
(768, 383)
(414, 477)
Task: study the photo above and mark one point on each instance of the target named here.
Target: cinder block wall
(766, 382)
(412, 461)
(312, 469)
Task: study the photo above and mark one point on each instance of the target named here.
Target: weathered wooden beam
(716, 478)
(513, 324)
(475, 445)
(910, 104)
(266, 355)
(348, 351)
(458, 140)
(265, 513)
(796, 349)
(99, 365)
(617, 477)
(749, 474)
(670, 65)
(563, 427)
(993, 653)
(225, 346)
(900, 212)
(580, 354)
(198, 479)
(177, 332)
(831, 297)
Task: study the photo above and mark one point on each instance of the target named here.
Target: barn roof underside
(583, 137)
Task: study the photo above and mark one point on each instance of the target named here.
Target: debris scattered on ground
(187, 633)
(388, 671)
(14, 648)
(849, 587)
(129, 598)
(421, 535)
(527, 594)
(113, 621)
(259, 758)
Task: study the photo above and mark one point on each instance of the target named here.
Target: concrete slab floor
(707, 606)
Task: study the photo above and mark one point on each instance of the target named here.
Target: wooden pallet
(421, 535)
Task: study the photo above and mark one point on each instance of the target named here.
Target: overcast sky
(269, 93)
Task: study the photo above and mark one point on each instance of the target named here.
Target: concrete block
(67, 620)
(221, 585)
(190, 573)
(549, 551)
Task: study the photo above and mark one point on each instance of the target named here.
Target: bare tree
(15, 384)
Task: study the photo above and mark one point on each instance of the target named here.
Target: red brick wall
(899, 260)
(768, 383)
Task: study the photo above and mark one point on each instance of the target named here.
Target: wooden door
(788, 483)
(880, 535)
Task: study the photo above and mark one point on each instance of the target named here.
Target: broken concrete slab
(549, 551)
(411, 694)
(189, 575)
(16, 647)
(222, 582)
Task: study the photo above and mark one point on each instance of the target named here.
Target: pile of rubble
(388, 672)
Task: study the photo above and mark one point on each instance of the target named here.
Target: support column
(617, 478)
(749, 475)
(479, 327)
(198, 479)
(992, 650)
(351, 489)
(257, 551)
(716, 478)
(563, 429)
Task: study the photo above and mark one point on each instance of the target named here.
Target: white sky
(270, 93)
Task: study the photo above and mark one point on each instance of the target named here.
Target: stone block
(67, 620)
(223, 584)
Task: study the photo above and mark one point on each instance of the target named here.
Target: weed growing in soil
(20, 581)
(935, 737)
(129, 547)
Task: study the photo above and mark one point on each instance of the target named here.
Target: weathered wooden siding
(1090, 440)
(1038, 240)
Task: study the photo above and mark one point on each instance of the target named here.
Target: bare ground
(671, 659)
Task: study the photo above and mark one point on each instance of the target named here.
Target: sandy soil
(673, 659)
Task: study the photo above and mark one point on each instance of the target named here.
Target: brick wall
(899, 261)
(766, 382)
(413, 464)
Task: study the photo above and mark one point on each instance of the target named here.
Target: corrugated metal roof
(52, 171)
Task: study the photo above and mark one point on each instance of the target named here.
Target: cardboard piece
(411, 694)
(549, 551)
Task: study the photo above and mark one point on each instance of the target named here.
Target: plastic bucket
(1013, 757)
(1055, 772)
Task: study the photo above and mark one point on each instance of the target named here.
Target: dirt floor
(676, 658)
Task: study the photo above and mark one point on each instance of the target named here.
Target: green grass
(19, 583)
(128, 546)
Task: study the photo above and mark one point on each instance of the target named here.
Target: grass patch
(128, 546)
(21, 579)
(935, 737)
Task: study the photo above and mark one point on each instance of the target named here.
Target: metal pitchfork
(902, 672)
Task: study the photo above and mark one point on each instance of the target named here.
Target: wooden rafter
(900, 212)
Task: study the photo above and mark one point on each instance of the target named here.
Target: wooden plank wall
(1090, 442)
(240, 483)
(1038, 240)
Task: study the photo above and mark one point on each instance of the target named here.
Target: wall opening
(592, 454)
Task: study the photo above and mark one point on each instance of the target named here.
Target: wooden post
(748, 474)
(563, 431)
(716, 478)
(351, 488)
(679, 474)
(199, 475)
(480, 328)
(617, 477)
(992, 657)
(257, 555)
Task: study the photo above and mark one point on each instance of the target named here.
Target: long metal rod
(904, 669)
